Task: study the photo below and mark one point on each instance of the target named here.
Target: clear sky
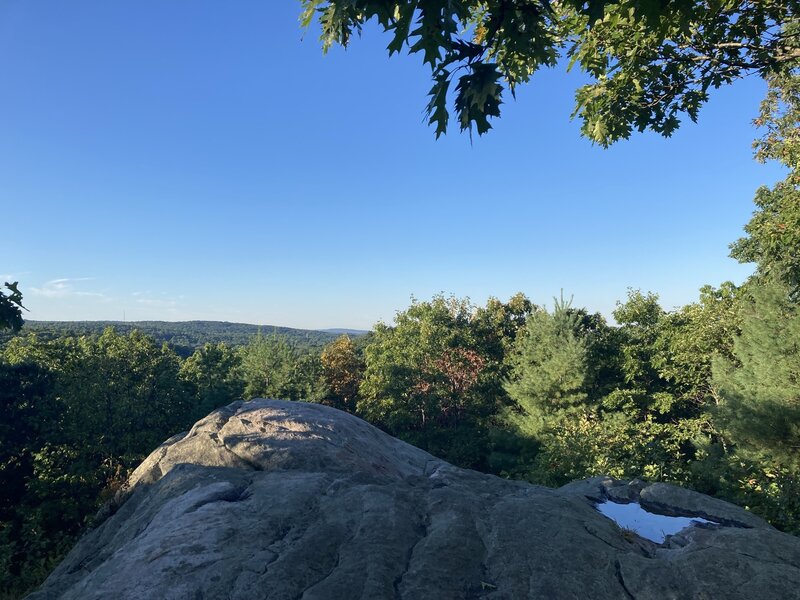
(199, 159)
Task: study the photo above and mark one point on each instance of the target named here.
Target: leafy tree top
(650, 61)
(773, 233)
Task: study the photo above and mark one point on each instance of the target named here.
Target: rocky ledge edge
(277, 499)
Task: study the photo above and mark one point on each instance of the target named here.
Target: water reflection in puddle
(646, 524)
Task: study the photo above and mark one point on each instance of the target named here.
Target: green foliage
(666, 357)
(603, 358)
(342, 372)
(120, 394)
(11, 307)
(27, 415)
(274, 368)
(184, 337)
(650, 61)
(770, 490)
(431, 380)
(779, 118)
(761, 387)
(689, 338)
(213, 373)
(77, 415)
(309, 378)
(757, 381)
(268, 368)
(549, 369)
(613, 443)
(498, 323)
(773, 234)
(630, 401)
(653, 61)
(639, 319)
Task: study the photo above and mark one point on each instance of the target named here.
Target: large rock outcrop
(274, 499)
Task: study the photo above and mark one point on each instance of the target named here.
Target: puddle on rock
(646, 524)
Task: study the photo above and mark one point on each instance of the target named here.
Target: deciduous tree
(649, 61)
(430, 380)
(342, 371)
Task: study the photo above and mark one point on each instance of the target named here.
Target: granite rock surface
(284, 500)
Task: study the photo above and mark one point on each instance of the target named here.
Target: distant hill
(185, 336)
(353, 332)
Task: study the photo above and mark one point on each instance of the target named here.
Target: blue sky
(204, 160)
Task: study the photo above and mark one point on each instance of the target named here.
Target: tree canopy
(650, 61)
(433, 378)
(549, 367)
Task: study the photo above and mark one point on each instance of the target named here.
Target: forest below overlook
(182, 336)
(704, 396)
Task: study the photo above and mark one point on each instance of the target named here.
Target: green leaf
(437, 107)
(478, 97)
(402, 27)
(309, 9)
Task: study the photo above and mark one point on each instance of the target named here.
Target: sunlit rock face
(274, 499)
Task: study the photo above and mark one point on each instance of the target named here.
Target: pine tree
(550, 369)
(269, 368)
(213, 374)
(760, 406)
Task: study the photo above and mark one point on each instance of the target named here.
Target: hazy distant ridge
(339, 331)
(185, 336)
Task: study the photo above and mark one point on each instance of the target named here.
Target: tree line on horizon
(182, 336)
